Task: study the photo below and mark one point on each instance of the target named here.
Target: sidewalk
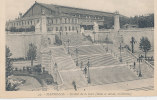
(130, 85)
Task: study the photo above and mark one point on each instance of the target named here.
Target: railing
(136, 29)
(146, 62)
(53, 61)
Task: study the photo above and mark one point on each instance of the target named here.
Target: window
(52, 21)
(60, 20)
(56, 28)
(56, 21)
(73, 28)
(69, 28)
(68, 20)
(72, 20)
(61, 28)
(65, 28)
(75, 20)
(63, 20)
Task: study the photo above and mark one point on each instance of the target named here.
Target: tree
(32, 52)
(8, 62)
(9, 86)
(32, 28)
(57, 40)
(145, 45)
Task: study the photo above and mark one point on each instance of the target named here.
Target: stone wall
(19, 43)
(138, 34)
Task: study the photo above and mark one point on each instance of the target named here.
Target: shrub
(57, 40)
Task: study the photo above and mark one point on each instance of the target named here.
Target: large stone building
(52, 19)
(60, 18)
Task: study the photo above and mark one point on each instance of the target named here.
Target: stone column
(43, 23)
(96, 30)
(44, 37)
(116, 21)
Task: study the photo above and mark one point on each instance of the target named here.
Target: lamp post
(60, 36)
(68, 46)
(107, 41)
(81, 65)
(76, 50)
(88, 65)
(94, 35)
(132, 43)
(55, 75)
(139, 68)
(120, 48)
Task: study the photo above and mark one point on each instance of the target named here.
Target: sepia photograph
(79, 45)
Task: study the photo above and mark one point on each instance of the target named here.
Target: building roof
(72, 10)
(66, 9)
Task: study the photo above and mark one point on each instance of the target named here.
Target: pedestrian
(85, 71)
(134, 65)
(74, 84)
(81, 65)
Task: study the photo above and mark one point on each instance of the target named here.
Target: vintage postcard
(78, 48)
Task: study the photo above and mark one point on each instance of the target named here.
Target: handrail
(146, 62)
(57, 70)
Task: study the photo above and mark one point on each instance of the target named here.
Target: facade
(51, 19)
(60, 18)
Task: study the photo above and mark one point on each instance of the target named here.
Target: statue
(43, 12)
(96, 27)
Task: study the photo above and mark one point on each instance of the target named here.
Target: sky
(125, 7)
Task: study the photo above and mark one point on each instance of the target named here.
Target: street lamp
(60, 36)
(68, 46)
(120, 47)
(76, 50)
(94, 35)
(88, 64)
(107, 41)
(139, 72)
(132, 43)
(55, 71)
(81, 65)
(55, 75)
